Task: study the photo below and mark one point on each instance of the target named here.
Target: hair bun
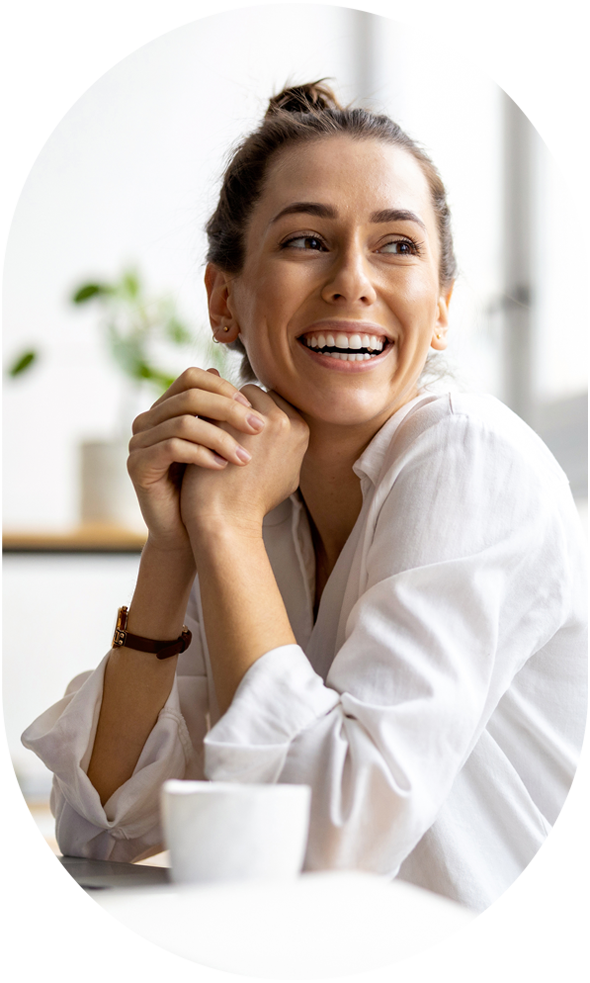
(313, 97)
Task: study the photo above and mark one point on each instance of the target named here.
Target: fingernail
(243, 455)
(242, 399)
(219, 459)
(255, 422)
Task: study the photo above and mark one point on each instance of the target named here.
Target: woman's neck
(331, 492)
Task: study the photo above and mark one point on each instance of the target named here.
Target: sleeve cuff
(63, 737)
(279, 696)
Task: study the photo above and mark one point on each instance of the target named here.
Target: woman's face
(342, 252)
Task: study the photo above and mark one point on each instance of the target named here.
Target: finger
(269, 401)
(195, 378)
(197, 402)
(149, 465)
(196, 431)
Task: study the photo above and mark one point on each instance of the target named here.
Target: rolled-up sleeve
(466, 576)
(128, 826)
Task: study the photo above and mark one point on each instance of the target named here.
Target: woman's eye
(305, 242)
(400, 247)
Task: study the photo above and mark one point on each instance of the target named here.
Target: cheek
(420, 298)
(255, 300)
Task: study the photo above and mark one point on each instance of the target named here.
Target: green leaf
(130, 284)
(161, 379)
(177, 332)
(89, 290)
(127, 352)
(22, 363)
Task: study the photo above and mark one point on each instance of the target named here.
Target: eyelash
(415, 247)
(299, 238)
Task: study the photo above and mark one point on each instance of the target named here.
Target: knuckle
(184, 425)
(237, 415)
(225, 443)
(192, 376)
(138, 423)
(171, 446)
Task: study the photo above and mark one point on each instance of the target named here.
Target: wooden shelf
(85, 539)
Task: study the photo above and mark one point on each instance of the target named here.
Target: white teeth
(351, 342)
(348, 356)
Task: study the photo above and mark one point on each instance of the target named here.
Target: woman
(390, 602)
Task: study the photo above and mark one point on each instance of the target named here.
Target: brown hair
(299, 114)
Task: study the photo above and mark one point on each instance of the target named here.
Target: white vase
(107, 496)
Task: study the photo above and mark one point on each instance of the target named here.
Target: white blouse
(437, 705)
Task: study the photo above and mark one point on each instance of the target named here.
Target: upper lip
(347, 327)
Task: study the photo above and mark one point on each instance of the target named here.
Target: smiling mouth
(348, 348)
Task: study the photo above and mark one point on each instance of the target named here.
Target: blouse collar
(370, 463)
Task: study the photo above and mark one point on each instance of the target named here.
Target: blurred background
(118, 198)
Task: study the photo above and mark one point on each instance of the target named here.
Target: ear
(439, 335)
(224, 325)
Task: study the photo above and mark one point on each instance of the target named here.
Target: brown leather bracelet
(161, 649)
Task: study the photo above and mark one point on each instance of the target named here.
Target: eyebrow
(327, 211)
(309, 208)
(397, 215)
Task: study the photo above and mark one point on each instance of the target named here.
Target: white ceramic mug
(220, 831)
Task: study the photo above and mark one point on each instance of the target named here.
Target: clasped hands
(206, 452)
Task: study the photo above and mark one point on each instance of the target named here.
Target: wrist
(222, 527)
(164, 551)
(164, 582)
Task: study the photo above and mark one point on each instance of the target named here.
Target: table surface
(315, 926)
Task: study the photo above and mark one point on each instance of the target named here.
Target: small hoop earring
(215, 341)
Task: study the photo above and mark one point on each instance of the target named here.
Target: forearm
(244, 613)
(137, 684)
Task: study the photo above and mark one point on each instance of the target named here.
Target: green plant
(138, 330)
(22, 362)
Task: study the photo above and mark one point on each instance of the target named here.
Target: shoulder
(467, 460)
(478, 430)
(464, 476)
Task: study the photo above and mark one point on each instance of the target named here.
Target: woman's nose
(350, 279)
